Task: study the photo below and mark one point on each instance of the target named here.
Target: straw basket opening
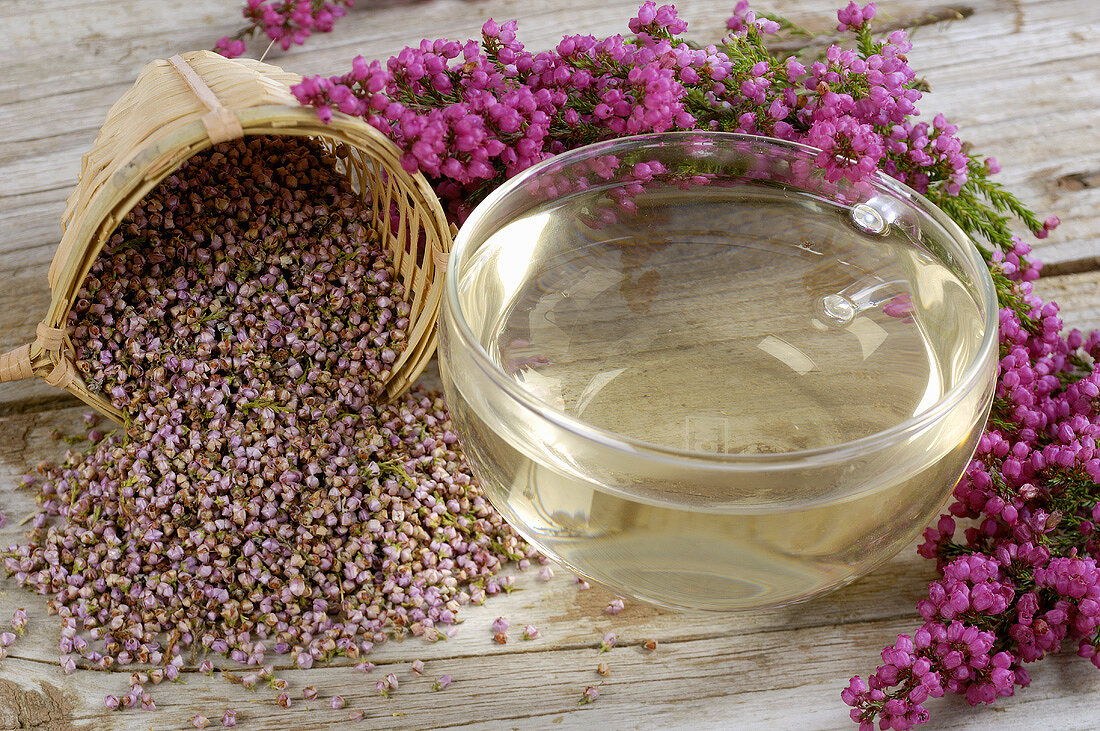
(184, 105)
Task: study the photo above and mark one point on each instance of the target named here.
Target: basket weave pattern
(181, 106)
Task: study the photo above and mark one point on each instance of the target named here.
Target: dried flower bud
(19, 620)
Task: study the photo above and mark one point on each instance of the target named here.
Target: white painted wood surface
(1020, 77)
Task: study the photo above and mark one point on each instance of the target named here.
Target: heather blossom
(286, 22)
(1017, 550)
(472, 113)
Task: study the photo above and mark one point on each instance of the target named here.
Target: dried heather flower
(442, 682)
(603, 669)
(247, 295)
(338, 702)
(229, 718)
(614, 606)
(591, 694)
(608, 641)
(309, 692)
(200, 721)
(283, 700)
(530, 632)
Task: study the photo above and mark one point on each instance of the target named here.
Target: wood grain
(1019, 76)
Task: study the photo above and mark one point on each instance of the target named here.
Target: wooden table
(1020, 77)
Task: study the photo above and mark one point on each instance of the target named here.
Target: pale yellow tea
(723, 322)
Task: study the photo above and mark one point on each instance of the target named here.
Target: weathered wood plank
(763, 680)
(1002, 94)
(707, 671)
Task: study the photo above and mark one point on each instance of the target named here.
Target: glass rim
(840, 451)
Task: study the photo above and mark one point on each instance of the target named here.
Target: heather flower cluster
(1019, 574)
(470, 114)
(286, 22)
(261, 500)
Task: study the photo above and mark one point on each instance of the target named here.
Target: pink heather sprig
(286, 22)
(1024, 578)
(854, 17)
(470, 114)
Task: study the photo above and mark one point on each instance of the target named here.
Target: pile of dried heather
(260, 499)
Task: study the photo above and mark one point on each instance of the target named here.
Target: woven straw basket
(184, 105)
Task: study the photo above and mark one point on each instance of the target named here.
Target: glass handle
(840, 308)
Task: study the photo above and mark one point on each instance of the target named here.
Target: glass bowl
(692, 368)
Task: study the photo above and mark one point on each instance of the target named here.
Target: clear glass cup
(692, 368)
